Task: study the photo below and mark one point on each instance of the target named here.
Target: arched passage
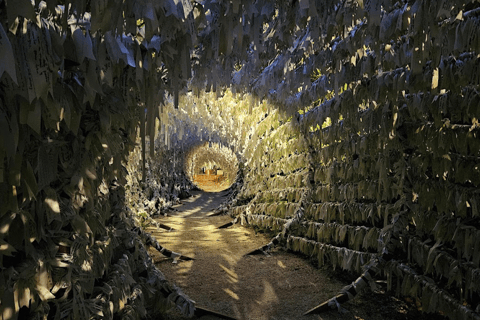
(390, 185)
(211, 166)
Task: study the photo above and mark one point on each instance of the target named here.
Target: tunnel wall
(400, 162)
(404, 189)
(166, 182)
(386, 162)
(69, 246)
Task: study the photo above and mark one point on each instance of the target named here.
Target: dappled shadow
(198, 205)
(221, 278)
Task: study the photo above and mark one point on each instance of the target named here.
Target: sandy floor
(213, 187)
(279, 286)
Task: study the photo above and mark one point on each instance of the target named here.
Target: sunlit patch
(53, 205)
(231, 294)
(7, 313)
(232, 274)
(86, 266)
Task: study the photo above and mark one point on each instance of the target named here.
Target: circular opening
(211, 167)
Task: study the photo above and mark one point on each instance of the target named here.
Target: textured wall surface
(355, 124)
(386, 162)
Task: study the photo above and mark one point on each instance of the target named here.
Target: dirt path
(221, 278)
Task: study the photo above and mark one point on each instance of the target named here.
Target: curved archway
(212, 167)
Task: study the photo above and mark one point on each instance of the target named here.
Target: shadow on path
(278, 286)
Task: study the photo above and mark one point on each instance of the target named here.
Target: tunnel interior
(211, 167)
(345, 130)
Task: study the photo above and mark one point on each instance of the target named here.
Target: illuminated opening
(211, 167)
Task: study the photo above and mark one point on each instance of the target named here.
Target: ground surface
(280, 286)
(213, 185)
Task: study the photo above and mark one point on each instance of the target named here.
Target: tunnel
(211, 167)
(239, 159)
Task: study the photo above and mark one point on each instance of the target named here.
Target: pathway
(279, 286)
